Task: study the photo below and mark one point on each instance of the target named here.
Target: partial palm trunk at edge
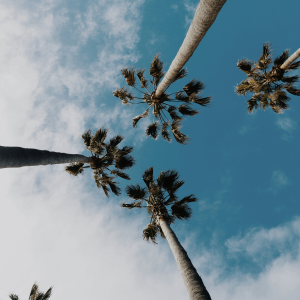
(191, 278)
(16, 157)
(291, 59)
(205, 16)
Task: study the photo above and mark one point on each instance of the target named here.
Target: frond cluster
(265, 85)
(161, 201)
(35, 294)
(104, 156)
(168, 110)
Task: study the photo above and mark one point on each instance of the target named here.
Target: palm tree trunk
(192, 280)
(205, 15)
(16, 157)
(291, 59)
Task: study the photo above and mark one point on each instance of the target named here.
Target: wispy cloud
(278, 181)
(288, 125)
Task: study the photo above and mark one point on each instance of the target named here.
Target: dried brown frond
(293, 66)
(120, 174)
(181, 95)
(181, 74)
(172, 110)
(137, 118)
(291, 89)
(187, 110)
(124, 95)
(290, 79)
(265, 58)
(179, 136)
(156, 70)
(129, 74)
(195, 86)
(279, 60)
(245, 65)
(74, 168)
(201, 101)
(165, 132)
(152, 130)
(150, 233)
(140, 75)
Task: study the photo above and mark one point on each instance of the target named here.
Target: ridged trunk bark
(16, 157)
(205, 15)
(191, 278)
(291, 59)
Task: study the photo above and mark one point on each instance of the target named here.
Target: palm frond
(294, 66)
(279, 60)
(114, 142)
(74, 168)
(34, 291)
(181, 74)
(290, 79)
(172, 110)
(113, 187)
(188, 199)
(48, 294)
(291, 89)
(129, 74)
(181, 211)
(135, 192)
(148, 176)
(132, 205)
(245, 65)
(156, 70)
(195, 86)
(123, 95)
(14, 297)
(99, 137)
(140, 75)
(124, 161)
(179, 136)
(165, 132)
(161, 231)
(169, 180)
(265, 58)
(87, 138)
(181, 96)
(150, 233)
(202, 101)
(137, 118)
(120, 174)
(152, 130)
(243, 88)
(186, 110)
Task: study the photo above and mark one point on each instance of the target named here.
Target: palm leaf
(148, 176)
(188, 199)
(179, 136)
(165, 132)
(152, 130)
(128, 73)
(120, 174)
(181, 211)
(181, 96)
(181, 74)
(195, 86)
(74, 168)
(140, 75)
(172, 110)
(132, 205)
(13, 297)
(123, 95)
(99, 137)
(114, 142)
(290, 79)
(265, 58)
(202, 101)
(156, 70)
(186, 110)
(245, 66)
(150, 233)
(291, 89)
(48, 294)
(135, 192)
(124, 161)
(278, 61)
(87, 138)
(137, 118)
(294, 66)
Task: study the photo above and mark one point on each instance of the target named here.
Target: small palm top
(104, 156)
(265, 85)
(35, 294)
(161, 200)
(165, 104)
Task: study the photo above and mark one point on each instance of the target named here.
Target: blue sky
(60, 62)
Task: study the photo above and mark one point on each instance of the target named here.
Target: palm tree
(35, 294)
(265, 85)
(104, 155)
(165, 104)
(205, 15)
(164, 208)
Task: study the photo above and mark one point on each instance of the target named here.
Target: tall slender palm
(269, 88)
(205, 16)
(104, 156)
(164, 208)
(164, 105)
(35, 294)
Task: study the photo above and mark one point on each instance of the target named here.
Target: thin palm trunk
(291, 59)
(205, 15)
(16, 157)
(191, 278)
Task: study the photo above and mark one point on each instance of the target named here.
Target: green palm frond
(265, 85)
(75, 169)
(136, 192)
(150, 233)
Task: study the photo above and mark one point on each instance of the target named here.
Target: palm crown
(104, 156)
(165, 104)
(161, 200)
(265, 85)
(35, 294)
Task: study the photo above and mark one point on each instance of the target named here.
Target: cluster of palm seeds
(269, 88)
(104, 156)
(161, 200)
(167, 114)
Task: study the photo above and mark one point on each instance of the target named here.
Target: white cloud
(286, 124)
(278, 181)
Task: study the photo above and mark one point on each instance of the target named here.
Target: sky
(60, 63)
